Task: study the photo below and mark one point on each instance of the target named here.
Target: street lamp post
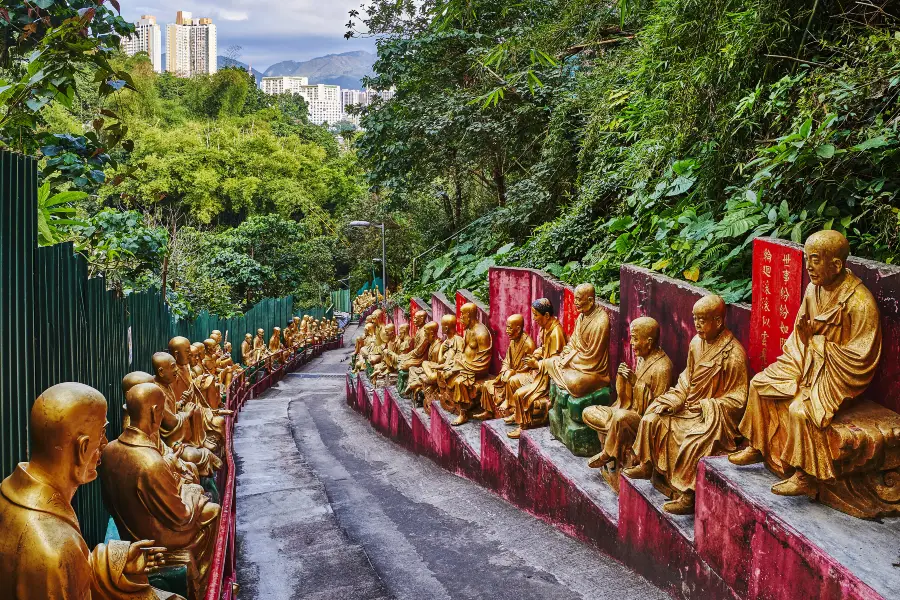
(383, 255)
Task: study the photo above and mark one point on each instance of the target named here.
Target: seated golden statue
(404, 341)
(494, 392)
(260, 351)
(469, 369)
(386, 365)
(275, 341)
(617, 425)
(528, 393)
(699, 416)
(216, 336)
(42, 553)
(425, 378)
(193, 427)
(829, 360)
(197, 353)
(583, 366)
(247, 350)
(418, 351)
(367, 346)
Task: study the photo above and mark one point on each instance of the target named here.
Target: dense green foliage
(667, 133)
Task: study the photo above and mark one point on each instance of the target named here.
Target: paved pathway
(330, 509)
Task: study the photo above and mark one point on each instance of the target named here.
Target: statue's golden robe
(706, 405)
(469, 364)
(529, 390)
(147, 501)
(424, 374)
(619, 422)
(405, 344)
(419, 352)
(494, 392)
(792, 402)
(583, 366)
(44, 557)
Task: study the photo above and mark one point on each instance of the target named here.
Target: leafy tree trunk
(500, 183)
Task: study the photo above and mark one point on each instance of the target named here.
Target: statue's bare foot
(682, 505)
(800, 484)
(483, 416)
(598, 460)
(644, 471)
(462, 418)
(510, 419)
(747, 456)
(515, 433)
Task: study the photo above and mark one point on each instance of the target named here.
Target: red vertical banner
(413, 307)
(460, 300)
(569, 313)
(777, 294)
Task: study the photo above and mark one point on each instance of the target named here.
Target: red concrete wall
(399, 318)
(669, 301)
(440, 306)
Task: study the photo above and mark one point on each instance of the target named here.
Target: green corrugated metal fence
(57, 325)
(340, 299)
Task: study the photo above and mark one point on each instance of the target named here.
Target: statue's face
(641, 343)
(448, 329)
(821, 265)
(420, 320)
(430, 334)
(370, 329)
(216, 336)
(167, 371)
(404, 330)
(182, 353)
(465, 317)
(260, 333)
(248, 337)
(708, 324)
(584, 300)
(513, 329)
(390, 333)
(89, 447)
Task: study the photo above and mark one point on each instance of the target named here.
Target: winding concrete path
(330, 509)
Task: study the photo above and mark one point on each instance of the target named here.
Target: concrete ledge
(456, 448)
(768, 546)
(660, 546)
(501, 470)
(563, 490)
(400, 417)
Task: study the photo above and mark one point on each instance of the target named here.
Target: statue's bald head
(404, 329)
(644, 336)
(419, 317)
(180, 348)
(164, 367)
(829, 242)
(585, 298)
(390, 330)
(515, 325)
(448, 324)
(216, 335)
(145, 403)
(134, 378)
(431, 329)
(68, 423)
(709, 317)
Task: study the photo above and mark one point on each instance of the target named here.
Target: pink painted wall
(398, 318)
(441, 306)
(669, 301)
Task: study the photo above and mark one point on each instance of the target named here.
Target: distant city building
(147, 38)
(279, 85)
(353, 98)
(324, 103)
(384, 94)
(191, 46)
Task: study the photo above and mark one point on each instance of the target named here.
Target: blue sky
(268, 31)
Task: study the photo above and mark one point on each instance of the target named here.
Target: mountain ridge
(346, 69)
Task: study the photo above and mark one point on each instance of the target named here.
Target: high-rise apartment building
(191, 46)
(280, 85)
(147, 38)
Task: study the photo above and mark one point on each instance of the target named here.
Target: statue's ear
(82, 447)
(838, 264)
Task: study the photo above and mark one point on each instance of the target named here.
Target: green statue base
(402, 379)
(566, 424)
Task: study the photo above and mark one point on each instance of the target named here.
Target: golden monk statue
(197, 352)
(367, 346)
(145, 498)
(216, 336)
(699, 416)
(469, 369)
(583, 366)
(42, 553)
(188, 428)
(428, 335)
(419, 350)
(425, 378)
(617, 425)
(404, 341)
(275, 341)
(386, 365)
(528, 393)
(260, 351)
(247, 350)
(829, 359)
(494, 392)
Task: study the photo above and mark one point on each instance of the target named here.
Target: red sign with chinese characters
(569, 313)
(777, 294)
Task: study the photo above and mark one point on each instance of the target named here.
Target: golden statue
(368, 345)
(386, 365)
(469, 369)
(189, 427)
(425, 378)
(197, 352)
(147, 501)
(247, 350)
(829, 359)
(404, 341)
(494, 392)
(617, 425)
(428, 351)
(699, 416)
(528, 393)
(216, 336)
(42, 553)
(275, 341)
(259, 346)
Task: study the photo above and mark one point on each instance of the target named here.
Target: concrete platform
(743, 543)
(768, 546)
